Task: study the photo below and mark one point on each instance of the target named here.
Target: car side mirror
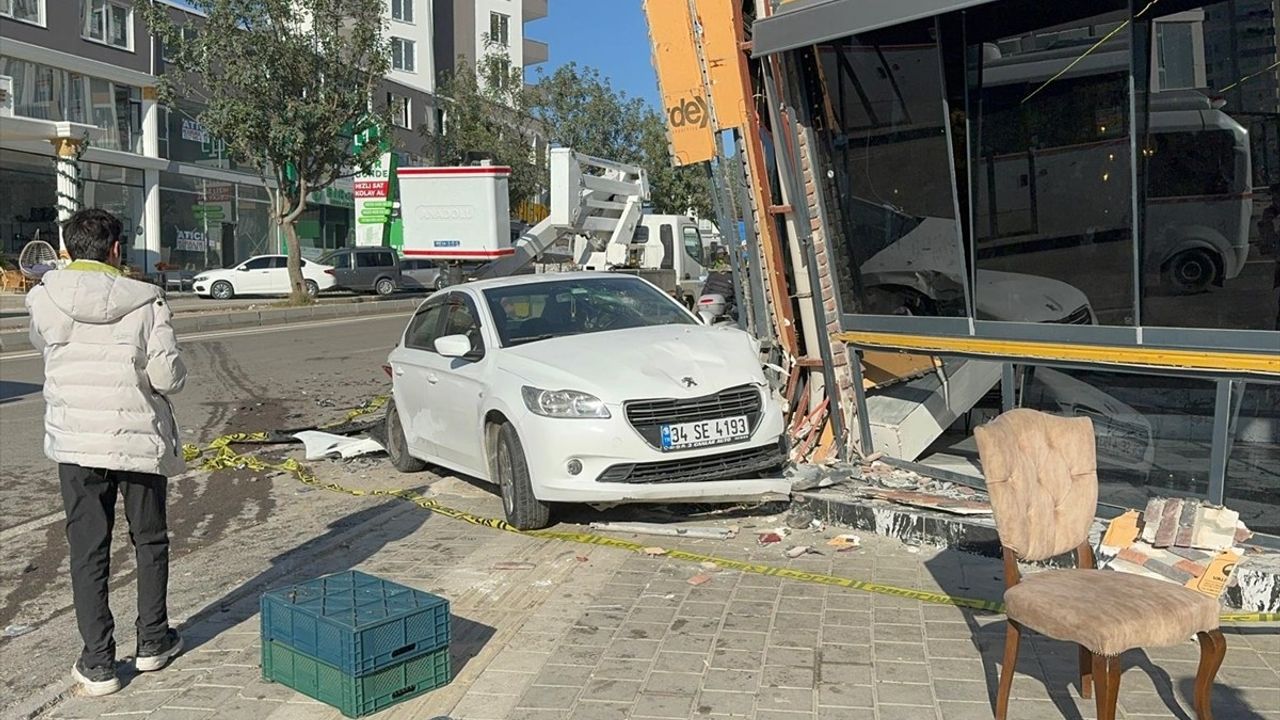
(454, 346)
(243, 268)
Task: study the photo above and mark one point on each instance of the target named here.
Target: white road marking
(257, 330)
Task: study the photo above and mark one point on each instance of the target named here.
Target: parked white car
(261, 275)
(582, 388)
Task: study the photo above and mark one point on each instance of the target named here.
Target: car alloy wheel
(222, 290)
(384, 287)
(312, 288)
(506, 473)
(523, 509)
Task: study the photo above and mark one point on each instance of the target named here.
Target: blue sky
(609, 35)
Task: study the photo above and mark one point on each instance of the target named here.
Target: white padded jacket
(110, 361)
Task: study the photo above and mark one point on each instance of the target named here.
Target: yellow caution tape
(218, 455)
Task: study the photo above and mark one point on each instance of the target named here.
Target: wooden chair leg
(1213, 648)
(1106, 685)
(1086, 673)
(1012, 638)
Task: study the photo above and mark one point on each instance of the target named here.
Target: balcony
(535, 51)
(533, 10)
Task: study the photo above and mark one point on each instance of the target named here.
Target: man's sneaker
(96, 681)
(156, 654)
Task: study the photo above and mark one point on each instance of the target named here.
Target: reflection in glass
(1210, 164)
(28, 200)
(880, 112)
(1049, 161)
(1154, 433)
(1253, 463)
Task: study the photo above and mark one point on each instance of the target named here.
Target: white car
(261, 275)
(590, 388)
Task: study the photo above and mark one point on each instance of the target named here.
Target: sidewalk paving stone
(596, 633)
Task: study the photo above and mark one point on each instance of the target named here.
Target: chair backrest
(1042, 475)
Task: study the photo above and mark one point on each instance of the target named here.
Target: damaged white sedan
(583, 388)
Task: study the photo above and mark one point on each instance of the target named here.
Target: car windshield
(540, 311)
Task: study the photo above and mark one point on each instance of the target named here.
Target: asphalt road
(227, 524)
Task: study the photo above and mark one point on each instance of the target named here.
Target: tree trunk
(298, 293)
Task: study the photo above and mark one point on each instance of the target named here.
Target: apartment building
(467, 27)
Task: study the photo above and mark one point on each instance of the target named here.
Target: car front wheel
(222, 290)
(397, 446)
(522, 509)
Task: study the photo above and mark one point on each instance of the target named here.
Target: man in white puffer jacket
(110, 361)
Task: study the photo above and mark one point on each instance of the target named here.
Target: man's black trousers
(89, 497)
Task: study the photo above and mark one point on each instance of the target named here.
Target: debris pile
(879, 480)
(1180, 540)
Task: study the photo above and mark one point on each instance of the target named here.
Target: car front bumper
(619, 466)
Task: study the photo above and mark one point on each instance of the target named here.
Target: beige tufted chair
(1042, 476)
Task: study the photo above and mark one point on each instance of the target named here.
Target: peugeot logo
(688, 382)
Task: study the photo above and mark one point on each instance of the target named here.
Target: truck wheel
(1192, 271)
(222, 290)
(384, 286)
(522, 509)
(397, 446)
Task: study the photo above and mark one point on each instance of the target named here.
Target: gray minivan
(365, 269)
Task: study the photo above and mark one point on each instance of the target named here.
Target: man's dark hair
(89, 234)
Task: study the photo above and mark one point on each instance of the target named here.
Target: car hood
(1025, 298)
(650, 362)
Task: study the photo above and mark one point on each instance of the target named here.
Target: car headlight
(200, 278)
(563, 403)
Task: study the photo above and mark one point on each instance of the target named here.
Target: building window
(402, 10)
(400, 110)
(48, 93)
(189, 35)
(31, 11)
(108, 21)
(500, 29)
(404, 54)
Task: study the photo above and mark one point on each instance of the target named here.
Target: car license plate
(679, 436)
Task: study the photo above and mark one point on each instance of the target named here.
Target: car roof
(516, 280)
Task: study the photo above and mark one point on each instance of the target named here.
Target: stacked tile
(1190, 523)
(354, 641)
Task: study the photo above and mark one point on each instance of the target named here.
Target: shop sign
(194, 131)
(192, 241)
(373, 203)
(337, 197)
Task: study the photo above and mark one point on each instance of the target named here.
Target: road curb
(18, 340)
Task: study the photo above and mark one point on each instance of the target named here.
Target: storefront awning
(798, 23)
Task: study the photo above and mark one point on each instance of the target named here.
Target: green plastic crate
(355, 696)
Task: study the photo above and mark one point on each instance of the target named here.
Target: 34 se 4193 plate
(681, 436)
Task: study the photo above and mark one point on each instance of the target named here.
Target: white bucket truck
(455, 215)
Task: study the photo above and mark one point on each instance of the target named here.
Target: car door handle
(431, 378)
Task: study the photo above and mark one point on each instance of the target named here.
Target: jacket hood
(92, 296)
(651, 362)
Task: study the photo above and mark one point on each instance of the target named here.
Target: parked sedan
(261, 275)
(585, 388)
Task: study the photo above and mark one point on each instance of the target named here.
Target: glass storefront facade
(212, 223)
(1098, 173)
(29, 201)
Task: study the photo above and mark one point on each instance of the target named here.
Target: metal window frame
(1136, 335)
